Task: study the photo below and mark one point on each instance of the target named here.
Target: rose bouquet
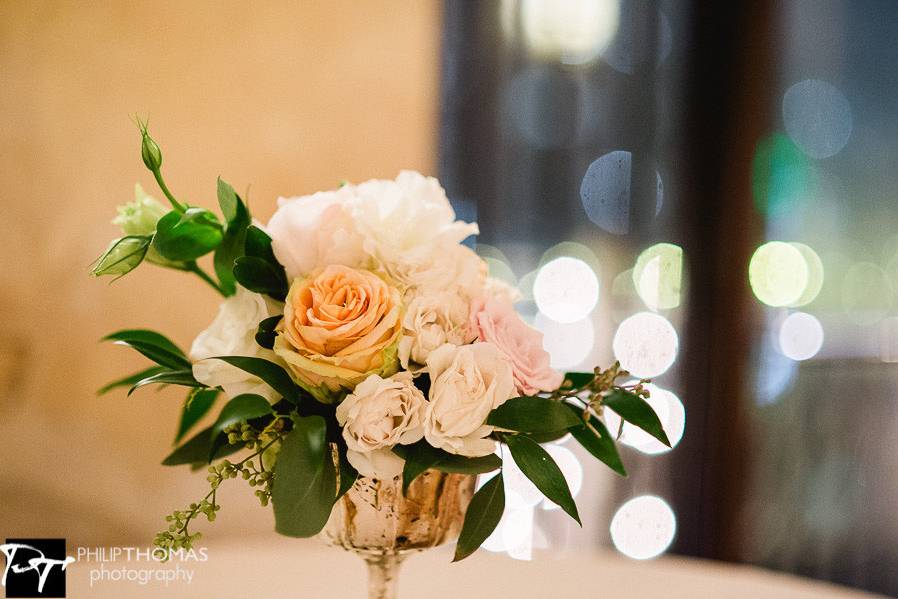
(359, 343)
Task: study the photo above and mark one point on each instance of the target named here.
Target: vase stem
(383, 575)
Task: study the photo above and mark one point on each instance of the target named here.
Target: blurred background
(703, 192)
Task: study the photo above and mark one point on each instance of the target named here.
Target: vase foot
(383, 575)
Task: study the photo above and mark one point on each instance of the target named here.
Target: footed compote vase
(375, 520)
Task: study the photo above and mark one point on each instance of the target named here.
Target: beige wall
(281, 98)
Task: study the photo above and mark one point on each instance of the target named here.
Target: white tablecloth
(273, 567)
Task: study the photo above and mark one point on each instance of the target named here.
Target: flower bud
(150, 152)
(122, 256)
(140, 216)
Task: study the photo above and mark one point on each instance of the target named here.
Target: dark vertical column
(728, 110)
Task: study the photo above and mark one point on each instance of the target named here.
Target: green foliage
(595, 438)
(240, 409)
(196, 405)
(187, 236)
(347, 474)
(276, 377)
(259, 270)
(183, 378)
(532, 415)
(305, 480)
(636, 411)
(237, 219)
(482, 517)
(153, 345)
(421, 456)
(129, 380)
(577, 379)
(196, 450)
(537, 465)
(266, 334)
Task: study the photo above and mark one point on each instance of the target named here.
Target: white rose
(451, 267)
(232, 333)
(379, 414)
(466, 384)
(314, 231)
(431, 321)
(406, 221)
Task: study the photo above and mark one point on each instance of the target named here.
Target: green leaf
(548, 437)
(348, 474)
(276, 377)
(232, 244)
(637, 412)
(266, 334)
(532, 415)
(421, 456)
(183, 378)
(575, 380)
(258, 244)
(130, 379)
(186, 237)
(482, 518)
(197, 405)
(196, 450)
(122, 256)
(596, 439)
(256, 274)
(537, 465)
(305, 480)
(145, 336)
(153, 345)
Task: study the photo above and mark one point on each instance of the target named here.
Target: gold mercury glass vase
(375, 520)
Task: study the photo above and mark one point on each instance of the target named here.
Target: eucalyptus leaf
(537, 465)
(532, 415)
(597, 440)
(183, 378)
(195, 451)
(483, 515)
(637, 412)
(305, 480)
(241, 409)
(129, 380)
(186, 237)
(196, 405)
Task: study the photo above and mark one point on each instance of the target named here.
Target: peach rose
(495, 321)
(340, 325)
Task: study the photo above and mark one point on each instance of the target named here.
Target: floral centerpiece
(368, 365)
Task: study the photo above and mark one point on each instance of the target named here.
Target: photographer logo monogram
(35, 567)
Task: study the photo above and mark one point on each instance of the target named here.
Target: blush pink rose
(495, 321)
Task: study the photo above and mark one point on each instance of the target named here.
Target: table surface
(272, 567)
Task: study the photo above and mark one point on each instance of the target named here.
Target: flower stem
(175, 203)
(195, 268)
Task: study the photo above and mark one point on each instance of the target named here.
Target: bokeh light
(658, 275)
(646, 344)
(866, 293)
(643, 527)
(801, 336)
(817, 117)
(626, 53)
(815, 275)
(778, 273)
(781, 176)
(888, 339)
(606, 192)
(568, 344)
(570, 31)
(566, 289)
(671, 413)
